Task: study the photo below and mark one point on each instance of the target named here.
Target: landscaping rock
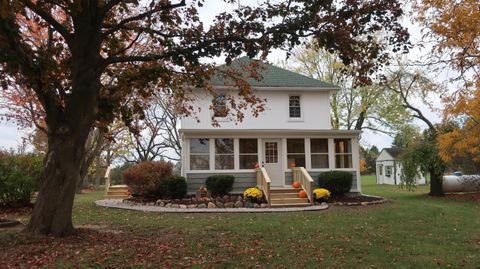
(211, 205)
(240, 199)
(233, 199)
(229, 205)
(161, 204)
(226, 198)
(238, 204)
(219, 204)
(255, 205)
(168, 205)
(202, 206)
(183, 206)
(158, 201)
(151, 203)
(175, 206)
(324, 203)
(263, 205)
(193, 206)
(248, 204)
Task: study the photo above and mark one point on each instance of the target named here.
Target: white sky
(10, 135)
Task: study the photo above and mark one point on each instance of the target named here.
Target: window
(296, 152)
(319, 152)
(294, 106)
(343, 153)
(248, 153)
(224, 153)
(199, 154)
(271, 152)
(388, 171)
(220, 106)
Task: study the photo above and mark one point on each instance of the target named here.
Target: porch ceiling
(289, 132)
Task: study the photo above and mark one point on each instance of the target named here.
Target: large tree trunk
(52, 213)
(436, 182)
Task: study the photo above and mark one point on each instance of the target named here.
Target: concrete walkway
(117, 203)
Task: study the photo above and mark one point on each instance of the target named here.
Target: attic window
(294, 106)
(220, 106)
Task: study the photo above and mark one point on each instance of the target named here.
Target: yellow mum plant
(321, 193)
(252, 194)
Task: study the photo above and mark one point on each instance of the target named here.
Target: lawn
(411, 231)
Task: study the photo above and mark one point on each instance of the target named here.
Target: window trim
(300, 107)
(343, 154)
(215, 154)
(219, 118)
(247, 154)
(319, 154)
(199, 154)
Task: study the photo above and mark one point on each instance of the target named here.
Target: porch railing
(263, 182)
(301, 175)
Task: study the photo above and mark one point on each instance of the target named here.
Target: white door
(272, 161)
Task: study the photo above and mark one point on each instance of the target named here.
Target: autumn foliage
(146, 178)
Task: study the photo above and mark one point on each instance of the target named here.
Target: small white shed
(389, 168)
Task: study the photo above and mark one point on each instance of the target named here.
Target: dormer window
(220, 106)
(294, 107)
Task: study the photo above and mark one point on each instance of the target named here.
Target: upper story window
(220, 106)
(294, 106)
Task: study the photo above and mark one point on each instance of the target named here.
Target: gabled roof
(394, 152)
(272, 76)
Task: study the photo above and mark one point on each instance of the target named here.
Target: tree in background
(454, 32)
(80, 45)
(406, 136)
(369, 156)
(415, 85)
(355, 106)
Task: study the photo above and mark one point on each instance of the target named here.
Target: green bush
(220, 185)
(337, 182)
(174, 187)
(19, 175)
(116, 173)
(145, 178)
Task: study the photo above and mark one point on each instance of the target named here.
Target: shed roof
(272, 76)
(394, 152)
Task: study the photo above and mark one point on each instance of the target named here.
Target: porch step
(284, 190)
(117, 192)
(288, 200)
(290, 205)
(286, 197)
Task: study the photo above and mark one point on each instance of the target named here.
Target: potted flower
(321, 195)
(254, 195)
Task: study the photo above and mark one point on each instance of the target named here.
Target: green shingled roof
(271, 76)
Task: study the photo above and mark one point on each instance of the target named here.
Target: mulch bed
(473, 197)
(190, 201)
(356, 200)
(20, 211)
(6, 223)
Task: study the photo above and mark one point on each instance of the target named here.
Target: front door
(272, 161)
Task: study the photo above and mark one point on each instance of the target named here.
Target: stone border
(377, 202)
(6, 223)
(118, 203)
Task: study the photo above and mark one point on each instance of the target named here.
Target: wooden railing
(301, 175)
(263, 182)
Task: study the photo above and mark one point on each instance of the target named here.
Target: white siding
(315, 110)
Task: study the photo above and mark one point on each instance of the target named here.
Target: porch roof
(277, 132)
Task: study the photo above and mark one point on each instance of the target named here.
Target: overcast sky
(10, 135)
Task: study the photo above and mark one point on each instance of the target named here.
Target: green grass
(411, 231)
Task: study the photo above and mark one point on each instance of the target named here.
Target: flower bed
(356, 200)
(226, 201)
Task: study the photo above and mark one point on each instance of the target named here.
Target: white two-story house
(294, 130)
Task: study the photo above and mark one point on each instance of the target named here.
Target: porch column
(331, 154)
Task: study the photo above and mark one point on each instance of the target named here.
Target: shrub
(220, 185)
(337, 182)
(19, 176)
(116, 173)
(174, 187)
(253, 194)
(145, 178)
